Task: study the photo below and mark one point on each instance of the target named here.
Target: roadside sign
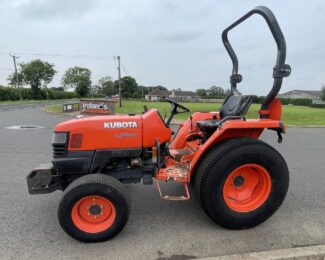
(97, 106)
(70, 107)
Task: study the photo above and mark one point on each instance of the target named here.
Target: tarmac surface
(157, 229)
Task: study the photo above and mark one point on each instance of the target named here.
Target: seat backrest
(234, 105)
(244, 108)
(231, 106)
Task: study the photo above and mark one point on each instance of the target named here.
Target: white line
(311, 252)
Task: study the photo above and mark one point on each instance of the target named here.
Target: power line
(59, 55)
(125, 70)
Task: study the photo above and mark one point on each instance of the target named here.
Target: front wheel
(94, 208)
(241, 182)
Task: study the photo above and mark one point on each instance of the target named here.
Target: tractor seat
(234, 106)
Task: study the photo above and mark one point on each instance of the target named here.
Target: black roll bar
(279, 71)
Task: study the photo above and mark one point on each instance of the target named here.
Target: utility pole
(119, 81)
(14, 57)
(142, 93)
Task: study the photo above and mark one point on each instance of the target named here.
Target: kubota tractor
(239, 180)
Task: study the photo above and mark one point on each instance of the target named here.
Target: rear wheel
(94, 208)
(241, 182)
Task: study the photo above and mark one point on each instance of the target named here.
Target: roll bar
(279, 71)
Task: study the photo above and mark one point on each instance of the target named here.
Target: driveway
(156, 229)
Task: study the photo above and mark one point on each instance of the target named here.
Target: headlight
(59, 138)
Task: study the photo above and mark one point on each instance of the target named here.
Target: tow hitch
(43, 179)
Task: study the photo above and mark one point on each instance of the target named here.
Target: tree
(15, 79)
(323, 93)
(79, 79)
(106, 86)
(36, 73)
(215, 91)
(227, 92)
(130, 88)
(147, 90)
(201, 92)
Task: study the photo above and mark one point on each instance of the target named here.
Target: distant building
(158, 94)
(310, 94)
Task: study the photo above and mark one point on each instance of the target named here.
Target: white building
(158, 94)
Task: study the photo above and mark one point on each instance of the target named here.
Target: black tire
(220, 162)
(94, 185)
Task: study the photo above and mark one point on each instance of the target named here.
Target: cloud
(174, 43)
(171, 6)
(48, 9)
(182, 36)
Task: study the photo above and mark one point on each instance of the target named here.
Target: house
(309, 94)
(158, 94)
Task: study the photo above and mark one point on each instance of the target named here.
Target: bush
(8, 93)
(59, 94)
(286, 101)
(317, 105)
(257, 99)
(296, 101)
(12, 94)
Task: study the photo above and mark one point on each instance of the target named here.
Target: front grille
(68, 167)
(59, 150)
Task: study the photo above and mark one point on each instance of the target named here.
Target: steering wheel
(176, 105)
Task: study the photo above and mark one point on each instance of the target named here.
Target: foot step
(175, 172)
(174, 198)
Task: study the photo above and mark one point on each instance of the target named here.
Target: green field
(292, 115)
(31, 101)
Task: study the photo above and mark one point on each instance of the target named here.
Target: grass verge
(292, 115)
(32, 101)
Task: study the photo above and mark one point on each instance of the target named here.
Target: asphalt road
(23, 106)
(156, 229)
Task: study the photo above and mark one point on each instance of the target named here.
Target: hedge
(317, 105)
(296, 101)
(286, 101)
(8, 93)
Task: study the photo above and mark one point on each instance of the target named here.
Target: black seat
(233, 107)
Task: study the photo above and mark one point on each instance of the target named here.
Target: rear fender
(233, 129)
(274, 112)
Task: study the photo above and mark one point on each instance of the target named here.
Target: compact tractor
(239, 180)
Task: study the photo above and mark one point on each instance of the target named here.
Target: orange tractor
(239, 180)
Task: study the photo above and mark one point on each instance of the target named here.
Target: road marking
(310, 252)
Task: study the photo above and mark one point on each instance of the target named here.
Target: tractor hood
(116, 131)
(104, 132)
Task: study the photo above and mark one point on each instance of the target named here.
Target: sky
(176, 44)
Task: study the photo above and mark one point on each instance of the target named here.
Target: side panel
(154, 127)
(179, 141)
(105, 132)
(76, 162)
(231, 129)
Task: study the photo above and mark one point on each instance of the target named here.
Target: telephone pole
(14, 57)
(119, 81)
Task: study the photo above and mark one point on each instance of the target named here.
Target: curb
(310, 252)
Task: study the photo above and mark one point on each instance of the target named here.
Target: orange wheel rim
(93, 214)
(247, 187)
